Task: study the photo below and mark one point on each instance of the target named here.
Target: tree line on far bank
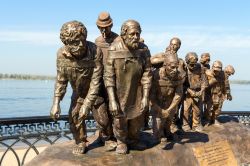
(40, 77)
(25, 77)
(239, 82)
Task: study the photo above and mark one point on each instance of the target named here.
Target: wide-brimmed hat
(104, 20)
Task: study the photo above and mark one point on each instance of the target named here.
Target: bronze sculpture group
(119, 82)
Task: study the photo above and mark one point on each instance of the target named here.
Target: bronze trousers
(192, 108)
(162, 126)
(127, 130)
(103, 120)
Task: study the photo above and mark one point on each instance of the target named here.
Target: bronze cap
(104, 20)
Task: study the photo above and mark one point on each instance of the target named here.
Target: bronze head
(171, 65)
(191, 60)
(73, 35)
(217, 67)
(229, 70)
(205, 58)
(104, 23)
(174, 45)
(130, 33)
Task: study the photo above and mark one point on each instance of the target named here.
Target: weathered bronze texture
(103, 42)
(205, 60)
(229, 71)
(113, 77)
(127, 78)
(158, 60)
(174, 46)
(105, 23)
(195, 84)
(184, 152)
(166, 94)
(218, 88)
(79, 63)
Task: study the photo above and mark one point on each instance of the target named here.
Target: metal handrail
(236, 113)
(29, 131)
(38, 119)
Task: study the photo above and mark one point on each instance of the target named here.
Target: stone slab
(182, 152)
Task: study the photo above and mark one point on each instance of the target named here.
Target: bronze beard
(76, 50)
(131, 43)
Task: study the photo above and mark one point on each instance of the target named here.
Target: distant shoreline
(43, 77)
(25, 77)
(246, 82)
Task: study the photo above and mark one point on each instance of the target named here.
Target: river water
(22, 98)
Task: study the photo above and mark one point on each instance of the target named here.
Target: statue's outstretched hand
(55, 112)
(84, 111)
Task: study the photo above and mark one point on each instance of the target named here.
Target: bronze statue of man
(229, 71)
(195, 84)
(218, 85)
(165, 95)
(157, 62)
(174, 46)
(78, 63)
(127, 77)
(104, 23)
(205, 60)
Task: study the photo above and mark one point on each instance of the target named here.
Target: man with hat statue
(127, 77)
(101, 113)
(105, 24)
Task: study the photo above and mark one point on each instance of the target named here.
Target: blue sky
(29, 30)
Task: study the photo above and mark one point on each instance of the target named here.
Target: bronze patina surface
(78, 63)
(103, 117)
(113, 77)
(195, 85)
(175, 153)
(166, 94)
(127, 77)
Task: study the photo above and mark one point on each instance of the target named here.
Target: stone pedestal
(217, 145)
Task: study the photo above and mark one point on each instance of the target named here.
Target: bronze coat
(129, 73)
(84, 75)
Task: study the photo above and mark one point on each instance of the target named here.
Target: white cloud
(36, 38)
(192, 37)
(44, 38)
(196, 40)
(231, 45)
